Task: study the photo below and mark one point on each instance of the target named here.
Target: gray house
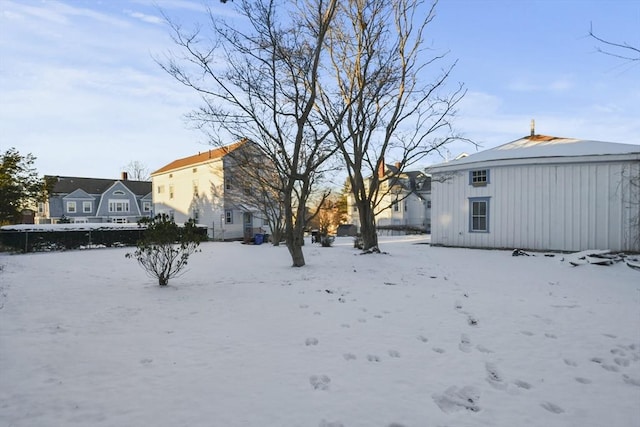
(94, 200)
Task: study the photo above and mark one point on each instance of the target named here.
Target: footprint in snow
(527, 333)
(465, 343)
(621, 361)
(422, 338)
(319, 382)
(522, 384)
(438, 350)
(582, 380)
(570, 362)
(373, 358)
(494, 377)
(629, 380)
(552, 407)
(483, 349)
(311, 341)
(349, 356)
(454, 399)
(394, 353)
(553, 336)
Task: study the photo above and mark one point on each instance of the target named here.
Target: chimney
(124, 176)
(533, 127)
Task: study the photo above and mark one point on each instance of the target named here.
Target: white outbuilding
(540, 193)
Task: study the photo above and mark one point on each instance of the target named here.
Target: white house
(207, 188)
(406, 204)
(540, 193)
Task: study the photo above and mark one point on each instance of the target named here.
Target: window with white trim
(479, 177)
(119, 220)
(118, 193)
(118, 206)
(146, 206)
(479, 214)
(87, 207)
(71, 207)
(228, 217)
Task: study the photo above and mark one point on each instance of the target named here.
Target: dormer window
(118, 193)
(479, 177)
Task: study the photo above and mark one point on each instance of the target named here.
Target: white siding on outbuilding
(567, 203)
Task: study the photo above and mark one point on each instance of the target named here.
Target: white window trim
(71, 207)
(85, 205)
(113, 203)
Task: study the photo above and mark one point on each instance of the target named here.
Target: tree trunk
(368, 230)
(294, 238)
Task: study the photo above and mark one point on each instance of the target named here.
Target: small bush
(166, 247)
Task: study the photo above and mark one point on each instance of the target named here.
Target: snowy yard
(422, 336)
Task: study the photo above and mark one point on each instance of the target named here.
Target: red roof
(200, 157)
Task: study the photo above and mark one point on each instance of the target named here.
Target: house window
(80, 221)
(40, 208)
(195, 215)
(479, 214)
(194, 170)
(118, 193)
(118, 206)
(171, 191)
(195, 188)
(428, 204)
(170, 175)
(146, 206)
(160, 189)
(228, 217)
(479, 178)
(87, 207)
(396, 206)
(227, 183)
(119, 220)
(71, 207)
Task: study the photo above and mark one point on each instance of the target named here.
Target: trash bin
(259, 238)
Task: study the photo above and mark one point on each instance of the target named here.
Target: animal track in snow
(552, 407)
(494, 377)
(454, 399)
(629, 380)
(373, 358)
(422, 338)
(319, 382)
(570, 362)
(548, 335)
(311, 341)
(438, 350)
(345, 325)
(527, 333)
(394, 353)
(522, 384)
(349, 356)
(582, 380)
(621, 361)
(483, 349)
(325, 423)
(465, 343)
(472, 321)
(610, 368)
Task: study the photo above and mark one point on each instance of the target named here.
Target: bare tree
(258, 79)
(394, 91)
(622, 50)
(137, 171)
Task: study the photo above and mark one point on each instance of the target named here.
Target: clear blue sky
(79, 88)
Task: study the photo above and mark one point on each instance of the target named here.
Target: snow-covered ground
(421, 336)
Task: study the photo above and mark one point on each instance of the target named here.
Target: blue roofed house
(540, 193)
(95, 200)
